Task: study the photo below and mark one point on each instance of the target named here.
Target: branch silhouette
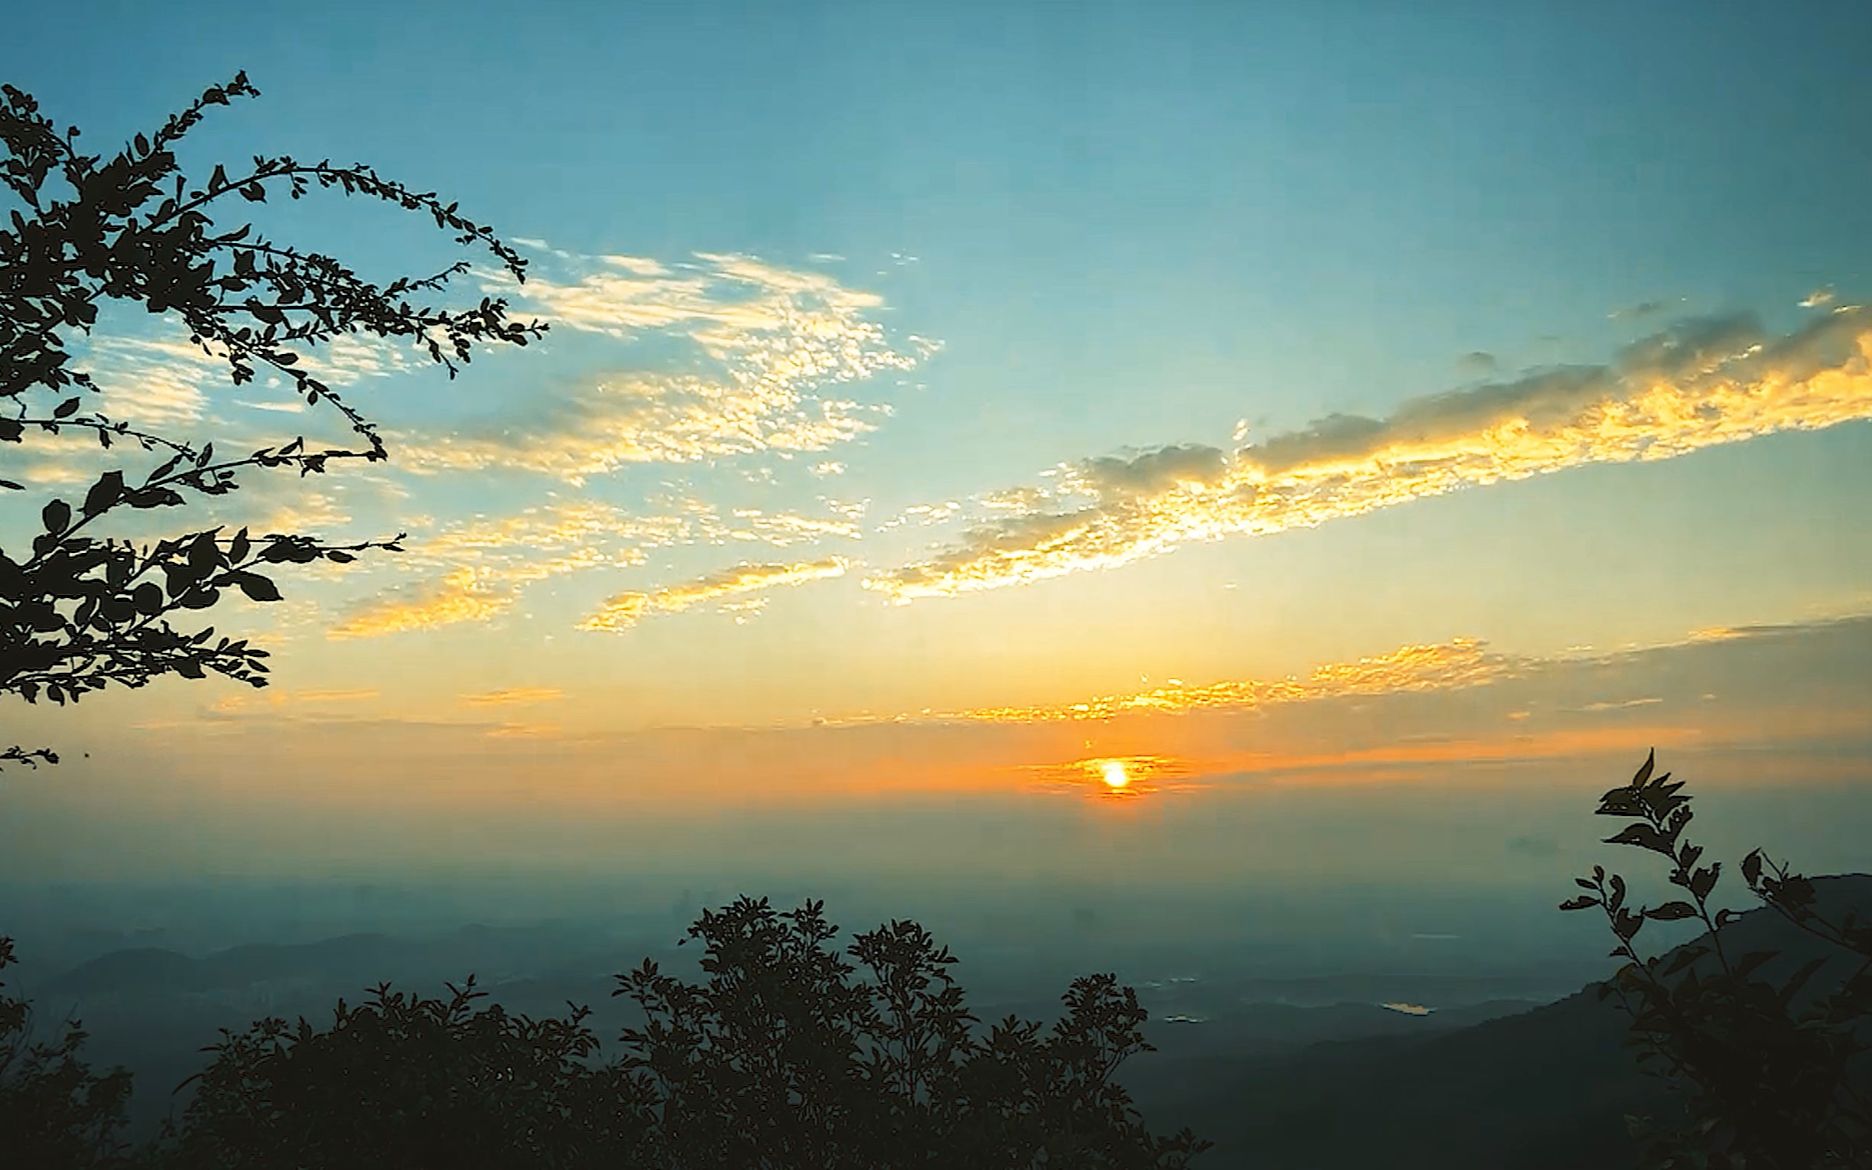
(77, 612)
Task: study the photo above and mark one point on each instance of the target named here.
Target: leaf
(1671, 911)
(256, 587)
(1644, 773)
(104, 493)
(1799, 978)
(1643, 836)
(1747, 963)
(204, 555)
(1751, 867)
(1683, 957)
(148, 598)
(57, 516)
(66, 408)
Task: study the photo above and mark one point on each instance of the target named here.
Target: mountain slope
(1546, 1089)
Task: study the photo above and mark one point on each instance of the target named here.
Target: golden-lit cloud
(1463, 662)
(626, 609)
(460, 596)
(513, 697)
(770, 338)
(155, 382)
(1697, 385)
(478, 567)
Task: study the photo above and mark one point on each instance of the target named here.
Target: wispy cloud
(1603, 705)
(1438, 666)
(627, 609)
(1699, 384)
(152, 381)
(479, 568)
(769, 339)
(461, 596)
(513, 697)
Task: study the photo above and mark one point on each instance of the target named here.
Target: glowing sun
(1114, 774)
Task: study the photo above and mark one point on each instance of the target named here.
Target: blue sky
(1052, 234)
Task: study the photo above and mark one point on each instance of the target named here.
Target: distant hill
(1546, 1089)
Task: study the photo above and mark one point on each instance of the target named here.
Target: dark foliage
(404, 1081)
(79, 612)
(55, 1112)
(789, 1054)
(1772, 1074)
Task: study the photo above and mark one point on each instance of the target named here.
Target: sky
(1112, 443)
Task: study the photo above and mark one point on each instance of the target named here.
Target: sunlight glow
(1113, 773)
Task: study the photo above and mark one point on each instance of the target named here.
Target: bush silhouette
(1772, 1072)
(55, 1112)
(787, 1054)
(791, 1054)
(405, 1081)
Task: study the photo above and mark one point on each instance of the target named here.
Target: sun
(1114, 774)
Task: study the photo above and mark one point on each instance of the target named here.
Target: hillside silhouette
(1543, 1089)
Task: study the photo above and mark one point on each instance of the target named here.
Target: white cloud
(771, 340)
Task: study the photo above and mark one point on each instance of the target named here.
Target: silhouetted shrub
(788, 1054)
(55, 1112)
(1772, 1072)
(403, 1081)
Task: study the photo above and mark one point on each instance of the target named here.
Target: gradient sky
(944, 399)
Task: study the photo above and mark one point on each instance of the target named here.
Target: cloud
(1700, 383)
(1817, 298)
(461, 596)
(1477, 362)
(626, 609)
(1638, 311)
(479, 567)
(163, 381)
(513, 697)
(1151, 471)
(151, 381)
(275, 702)
(523, 731)
(769, 339)
(1463, 662)
(1604, 705)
